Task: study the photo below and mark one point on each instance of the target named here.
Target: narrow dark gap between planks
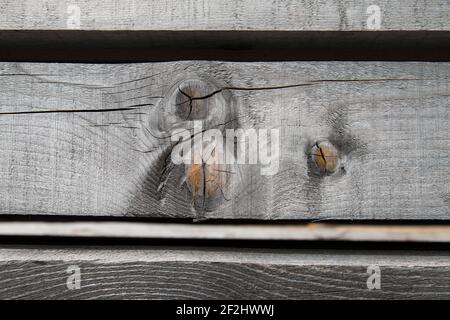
(151, 46)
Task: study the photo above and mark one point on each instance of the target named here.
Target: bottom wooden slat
(217, 273)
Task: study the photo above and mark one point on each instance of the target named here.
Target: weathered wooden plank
(265, 15)
(81, 139)
(206, 273)
(293, 232)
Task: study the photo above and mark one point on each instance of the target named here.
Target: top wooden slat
(213, 15)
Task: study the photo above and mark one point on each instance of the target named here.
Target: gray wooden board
(79, 139)
(264, 15)
(207, 273)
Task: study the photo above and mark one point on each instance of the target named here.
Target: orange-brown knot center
(325, 156)
(207, 176)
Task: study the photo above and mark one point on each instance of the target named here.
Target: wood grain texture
(79, 139)
(204, 273)
(307, 232)
(266, 15)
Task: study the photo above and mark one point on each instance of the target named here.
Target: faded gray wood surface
(205, 273)
(80, 139)
(265, 15)
(293, 232)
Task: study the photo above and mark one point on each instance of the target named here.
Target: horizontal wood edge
(306, 232)
(269, 256)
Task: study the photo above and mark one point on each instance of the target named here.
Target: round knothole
(190, 100)
(193, 100)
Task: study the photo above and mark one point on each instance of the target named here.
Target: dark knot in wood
(196, 106)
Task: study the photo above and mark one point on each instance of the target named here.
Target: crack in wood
(70, 111)
(309, 83)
